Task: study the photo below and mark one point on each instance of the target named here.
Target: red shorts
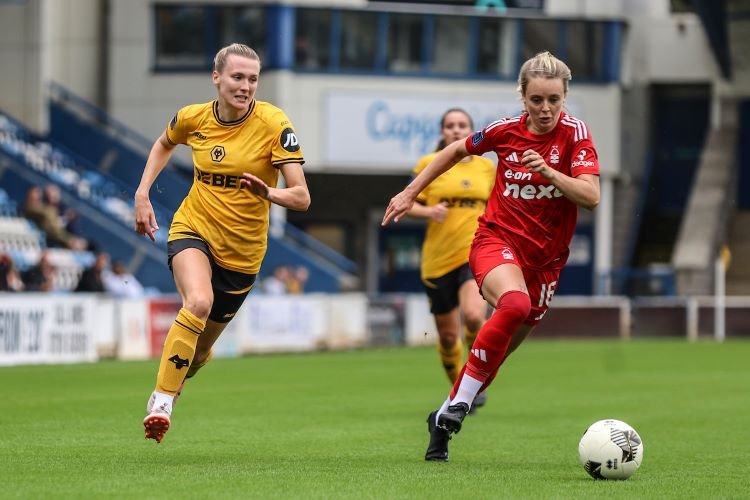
(487, 253)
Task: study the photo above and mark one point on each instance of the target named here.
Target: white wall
(20, 78)
(71, 45)
(43, 41)
(674, 49)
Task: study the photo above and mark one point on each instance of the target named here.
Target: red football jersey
(524, 209)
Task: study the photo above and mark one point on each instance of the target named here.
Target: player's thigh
(192, 275)
(501, 280)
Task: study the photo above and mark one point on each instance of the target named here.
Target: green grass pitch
(352, 425)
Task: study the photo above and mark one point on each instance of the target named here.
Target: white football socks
(163, 399)
(467, 390)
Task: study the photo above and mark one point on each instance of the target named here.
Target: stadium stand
(25, 244)
(103, 203)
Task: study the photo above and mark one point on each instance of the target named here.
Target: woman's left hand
(255, 185)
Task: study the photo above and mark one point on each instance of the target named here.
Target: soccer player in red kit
(547, 168)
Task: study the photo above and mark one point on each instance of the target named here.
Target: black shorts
(443, 291)
(230, 287)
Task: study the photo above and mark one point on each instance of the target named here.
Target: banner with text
(58, 329)
(393, 131)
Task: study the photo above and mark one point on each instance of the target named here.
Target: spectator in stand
(119, 282)
(41, 277)
(276, 284)
(10, 278)
(297, 279)
(48, 220)
(68, 216)
(92, 279)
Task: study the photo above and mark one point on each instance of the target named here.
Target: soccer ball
(610, 449)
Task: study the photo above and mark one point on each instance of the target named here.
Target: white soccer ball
(610, 449)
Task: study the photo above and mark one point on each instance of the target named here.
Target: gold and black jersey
(232, 221)
(464, 189)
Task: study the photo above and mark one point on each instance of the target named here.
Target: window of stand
(376, 42)
(312, 39)
(583, 63)
(496, 47)
(450, 45)
(405, 43)
(244, 25)
(188, 37)
(358, 38)
(180, 37)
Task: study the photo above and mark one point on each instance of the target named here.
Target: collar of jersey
(532, 135)
(235, 122)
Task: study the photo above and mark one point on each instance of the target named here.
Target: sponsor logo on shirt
(289, 140)
(512, 158)
(217, 180)
(517, 175)
(581, 160)
(459, 202)
(531, 192)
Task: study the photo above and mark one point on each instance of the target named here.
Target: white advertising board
(37, 328)
(365, 130)
(294, 323)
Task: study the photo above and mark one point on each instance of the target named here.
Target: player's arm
(295, 196)
(582, 190)
(145, 220)
(435, 212)
(443, 161)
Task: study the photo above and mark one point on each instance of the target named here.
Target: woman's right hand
(145, 220)
(439, 212)
(398, 206)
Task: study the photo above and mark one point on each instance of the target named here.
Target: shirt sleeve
(585, 159)
(479, 143)
(177, 129)
(286, 147)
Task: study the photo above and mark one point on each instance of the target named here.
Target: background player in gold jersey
(451, 205)
(218, 236)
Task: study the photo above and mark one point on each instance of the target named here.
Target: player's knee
(199, 305)
(448, 338)
(516, 303)
(474, 318)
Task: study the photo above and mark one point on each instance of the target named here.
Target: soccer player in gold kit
(451, 205)
(218, 236)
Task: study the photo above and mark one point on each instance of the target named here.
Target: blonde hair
(238, 49)
(543, 65)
